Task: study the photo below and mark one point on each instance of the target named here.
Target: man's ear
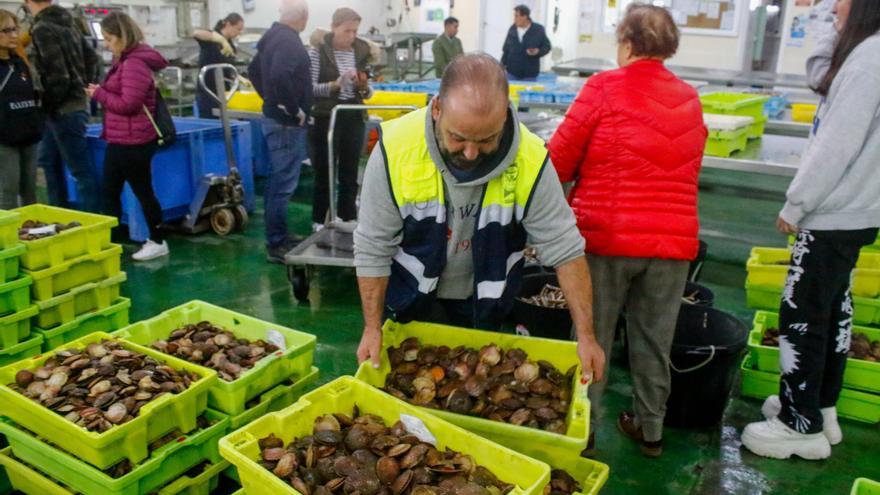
(435, 108)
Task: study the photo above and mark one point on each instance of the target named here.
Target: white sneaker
(830, 427)
(772, 438)
(317, 227)
(151, 250)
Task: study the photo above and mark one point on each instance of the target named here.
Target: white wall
(793, 59)
(320, 12)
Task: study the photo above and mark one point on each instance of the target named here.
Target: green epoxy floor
(737, 213)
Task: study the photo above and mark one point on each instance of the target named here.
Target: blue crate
(198, 150)
(775, 106)
(564, 97)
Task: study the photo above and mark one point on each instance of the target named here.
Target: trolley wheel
(299, 282)
(241, 217)
(222, 221)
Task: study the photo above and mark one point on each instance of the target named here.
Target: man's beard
(457, 159)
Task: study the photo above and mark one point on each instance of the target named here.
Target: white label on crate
(275, 337)
(416, 427)
(48, 229)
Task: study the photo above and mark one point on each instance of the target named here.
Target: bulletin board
(706, 17)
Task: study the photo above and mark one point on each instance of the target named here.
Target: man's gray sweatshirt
(549, 222)
(837, 186)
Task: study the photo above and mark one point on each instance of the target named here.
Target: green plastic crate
(9, 261)
(591, 474)
(202, 484)
(764, 269)
(27, 479)
(9, 223)
(162, 467)
(65, 276)
(725, 143)
(860, 374)
(16, 328)
(15, 295)
(852, 404)
(274, 400)
(756, 130)
(864, 486)
(867, 311)
(743, 104)
(105, 320)
(341, 395)
(91, 238)
(79, 301)
(562, 354)
(22, 350)
(128, 440)
(230, 397)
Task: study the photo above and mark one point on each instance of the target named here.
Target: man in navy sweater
(280, 74)
(526, 43)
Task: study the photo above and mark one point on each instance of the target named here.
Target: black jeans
(815, 323)
(348, 142)
(132, 163)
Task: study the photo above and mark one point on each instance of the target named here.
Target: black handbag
(162, 122)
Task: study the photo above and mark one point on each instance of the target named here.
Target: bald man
(450, 199)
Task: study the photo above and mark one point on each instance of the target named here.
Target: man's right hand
(370, 346)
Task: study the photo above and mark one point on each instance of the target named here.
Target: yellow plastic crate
(22, 350)
(864, 486)
(395, 98)
(28, 480)
(245, 101)
(341, 395)
(9, 223)
(803, 112)
(9, 262)
(90, 238)
(561, 354)
(202, 484)
(93, 296)
(128, 440)
(16, 328)
(764, 269)
(60, 278)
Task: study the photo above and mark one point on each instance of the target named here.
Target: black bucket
(705, 354)
(538, 321)
(702, 296)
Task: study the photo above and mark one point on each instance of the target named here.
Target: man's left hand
(533, 51)
(592, 360)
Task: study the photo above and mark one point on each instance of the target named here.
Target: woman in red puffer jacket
(128, 93)
(632, 143)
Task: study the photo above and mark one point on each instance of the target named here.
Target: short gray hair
(292, 10)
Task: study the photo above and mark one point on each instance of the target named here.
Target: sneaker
(773, 438)
(830, 427)
(317, 227)
(151, 250)
(626, 423)
(276, 254)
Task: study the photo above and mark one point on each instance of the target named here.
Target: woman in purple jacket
(127, 94)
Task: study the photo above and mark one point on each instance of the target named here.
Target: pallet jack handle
(220, 89)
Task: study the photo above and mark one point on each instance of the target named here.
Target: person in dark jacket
(339, 75)
(524, 46)
(280, 74)
(64, 65)
(216, 47)
(20, 120)
(127, 95)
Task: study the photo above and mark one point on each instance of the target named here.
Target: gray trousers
(650, 289)
(18, 176)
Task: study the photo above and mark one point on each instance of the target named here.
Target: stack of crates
(741, 105)
(727, 134)
(17, 341)
(767, 271)
(76, 276)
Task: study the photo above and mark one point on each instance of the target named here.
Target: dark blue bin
(198, 150)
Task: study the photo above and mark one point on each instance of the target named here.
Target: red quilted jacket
(127, 88)
(633, 142)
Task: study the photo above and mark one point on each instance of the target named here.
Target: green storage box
(105, 320)
(16, 328)
(742, 104)
(90, 238)
(15, 295)
(203, 483)
(756, 130)
(162, 467)
(562, 354)
(293, 360)
(22, 350)
(28, 480)
(859, 375)
(62, 277)
(726, 143)
(128, 440)
(340, 396)
(9, 223)
(852, 404)
(768, 267)
(864, 486)
(867, 311)
(9, 262)
(78, 301)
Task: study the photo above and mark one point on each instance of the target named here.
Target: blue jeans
(288, 147)
(64, 142)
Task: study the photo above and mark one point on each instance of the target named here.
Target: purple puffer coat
(127, 88)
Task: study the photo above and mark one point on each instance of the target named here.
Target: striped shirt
(344, 62)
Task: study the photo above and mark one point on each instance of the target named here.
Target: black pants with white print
(815, 323)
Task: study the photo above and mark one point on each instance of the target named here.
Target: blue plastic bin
(198, 150)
